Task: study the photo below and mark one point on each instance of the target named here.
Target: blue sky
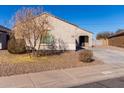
(92, 18)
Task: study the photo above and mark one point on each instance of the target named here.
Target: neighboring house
(72, 36)
(4, 36)
(101, 42)
(117, 39)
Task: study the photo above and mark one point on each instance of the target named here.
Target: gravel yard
(11, 64)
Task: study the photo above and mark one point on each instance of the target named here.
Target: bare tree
(104, 35)
(29, 26)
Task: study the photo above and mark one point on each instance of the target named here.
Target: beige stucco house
(72, 36)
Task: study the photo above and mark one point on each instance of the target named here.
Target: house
(70, 35)
(100, 42)
(117, 39)
(4, 37)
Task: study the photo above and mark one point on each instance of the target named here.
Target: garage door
(0, 45)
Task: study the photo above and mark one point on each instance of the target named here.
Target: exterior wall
(64, 33)
(79, 32)
(67, 33)
(3, 42)
(117, 41)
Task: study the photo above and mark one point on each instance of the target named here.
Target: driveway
(110, 55)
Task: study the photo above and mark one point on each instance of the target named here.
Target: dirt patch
(19, 64)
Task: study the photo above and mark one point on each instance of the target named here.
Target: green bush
(86, 56)
(16, 46)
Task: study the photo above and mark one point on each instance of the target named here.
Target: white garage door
(0, 45)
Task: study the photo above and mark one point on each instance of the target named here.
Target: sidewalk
(63, 78)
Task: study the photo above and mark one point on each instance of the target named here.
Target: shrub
(49, 52)
(11, 45)
(86, 56)
(16, 46)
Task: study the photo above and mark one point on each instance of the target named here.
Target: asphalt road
(110, 83)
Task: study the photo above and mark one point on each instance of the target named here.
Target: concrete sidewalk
(63, 78)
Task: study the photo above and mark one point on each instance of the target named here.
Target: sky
(92, 18)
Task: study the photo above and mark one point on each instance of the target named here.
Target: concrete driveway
(110, 55)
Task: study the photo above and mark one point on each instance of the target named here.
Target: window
(48, 39)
